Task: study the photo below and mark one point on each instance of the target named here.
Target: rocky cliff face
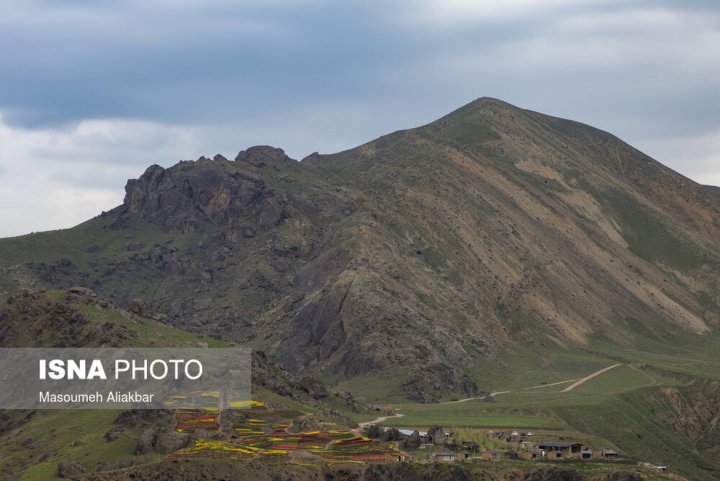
(419, 254)
(192, 194)
(692, 413)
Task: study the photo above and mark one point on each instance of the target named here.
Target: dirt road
(587, 378)
(576, 383)
(379, 420)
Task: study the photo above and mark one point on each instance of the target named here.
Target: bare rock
(70, 470)
(145, 443)
(170, 442)
(314, 387)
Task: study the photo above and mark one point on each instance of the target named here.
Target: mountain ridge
(425, 252)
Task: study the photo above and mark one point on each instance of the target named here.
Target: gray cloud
(92, 92)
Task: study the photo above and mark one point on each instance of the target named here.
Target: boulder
(314, 387)
(70, 470)
(170, 442)
(145, 443)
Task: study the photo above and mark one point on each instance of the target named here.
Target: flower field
(190, 420)
(262, 433)
(358, 449)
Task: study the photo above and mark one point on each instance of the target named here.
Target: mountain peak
(260, 155)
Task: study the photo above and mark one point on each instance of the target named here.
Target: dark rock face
(437, 381)
(314, 387)
(261, 155)
(188, 196)
(276, 379)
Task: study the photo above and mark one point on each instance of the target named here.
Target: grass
(627, 421)
(650, 239)
(606, 386)
(55, 436)
(615, 409)
(148, 333)
(683, 353)
(472, 415)
(52, 437)
(381, 387)
(529, 408)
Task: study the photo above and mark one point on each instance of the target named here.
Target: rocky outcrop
(692, 413)
(57, 320)
(436, 382)
(314, 387)
(146, 442)
(192, 194)
(170, 442)
(70, 470)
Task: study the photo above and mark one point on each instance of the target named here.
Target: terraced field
(267, 433)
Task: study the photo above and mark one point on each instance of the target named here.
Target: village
(511, 445)
(276, 433)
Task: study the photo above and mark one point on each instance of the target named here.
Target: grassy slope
(56, 436)
(33, 450)
(611, 410)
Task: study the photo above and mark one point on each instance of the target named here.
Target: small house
(554, 450)
(402, 456)
(444, 457)
(490, 455)
(530, 455)
(471, 446)
(465, 456)
(610, 454)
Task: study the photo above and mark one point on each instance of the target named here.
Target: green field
(623, 408)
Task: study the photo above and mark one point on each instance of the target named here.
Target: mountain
(412, 262)
(425, 250)
(493, 250)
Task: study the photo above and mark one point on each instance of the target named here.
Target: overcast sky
(92, 92)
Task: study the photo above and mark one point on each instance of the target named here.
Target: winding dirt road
(576, 383)
(587, 378)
